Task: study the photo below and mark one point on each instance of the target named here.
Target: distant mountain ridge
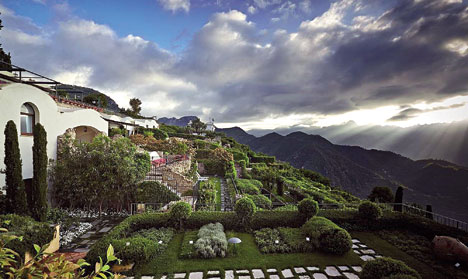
(439, 183)
(81, 92)
(181, 122)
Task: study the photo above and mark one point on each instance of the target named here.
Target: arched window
(27, 119)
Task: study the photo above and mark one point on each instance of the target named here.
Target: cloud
(409, 113)
(356, 56)
(175, 5)
(251, 10)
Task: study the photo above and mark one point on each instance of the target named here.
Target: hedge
(231, 171)
(212, 167)
(249, 186)
(239, 155)
(154, 192)
(261, 201)
(33, 232)
(327, 236)
(185, 136)
(385, 267)
(263, 159)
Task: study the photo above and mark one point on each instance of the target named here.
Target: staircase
(156, 174)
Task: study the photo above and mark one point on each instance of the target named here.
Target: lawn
(386, 249)
(248, 257)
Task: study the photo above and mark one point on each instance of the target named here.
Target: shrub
(187, 250)
(249, 186)
(385, 267)
(327, 236)
(261, 201)
(245, 208)
(211, 241)
(230, 170)
(296, 240)
(263, 159)
(135, 249)
(274, 219)
(159, 134)
(308, 207)
(154, 192)
(369, 211)
(180, 212)
(200, 218)
(381, 194)
(269, 241)
(288, 207)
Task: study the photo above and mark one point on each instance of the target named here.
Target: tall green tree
(15, 189)
(135, 104)
(198, 125)
(39, 182)
(398, 199)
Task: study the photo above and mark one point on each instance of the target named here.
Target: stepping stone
(350, 275)
(164, 277)
(196, 275)
(228, 274)
(215, 277)
(357, 252)
(367, 258)
(81, 250)
(86, 235)
(378, 256)
(271, 270)
(356, 241)
(244, 271)
(356, 268)
(105, 229)
(304, 277)
(368, 252)
(299, 270)
(245, 277)
(332, 271)
(287, 273)
(274, 277)
(213, 272)
(147, 277)
(129, 277)
(84, 241)
(343, 268)
(363, 245)
(319, 276)
(313, 268)
(179, 275)
(354, 246)
(258, 273)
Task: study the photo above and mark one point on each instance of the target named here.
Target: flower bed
(69, 235)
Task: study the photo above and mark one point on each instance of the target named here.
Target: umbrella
(234, 240)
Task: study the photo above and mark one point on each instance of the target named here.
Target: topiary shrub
(327, 236)
(261, 201)
(369, 211)
(180, 212)
(245, 209)
(308, 207)
(381, 194)
(385, 267)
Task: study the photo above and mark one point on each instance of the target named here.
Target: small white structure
(210, 126)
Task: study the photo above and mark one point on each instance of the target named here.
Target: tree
(398, 199)
(180, 212)
(15, 190)
(381, 194)
(135, 104)
(245, 209)
(369, 211)
(39, 181)
(4, 57)
(308, 207)
(197, 125)
(96, 99)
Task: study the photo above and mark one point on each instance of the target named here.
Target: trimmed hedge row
(388, 268)
(327, 236)
(249, 186)
(212, 167)
(262, 159)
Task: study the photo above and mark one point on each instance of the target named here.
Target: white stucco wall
(13, 96)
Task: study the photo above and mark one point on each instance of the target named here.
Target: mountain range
(181, 122)
(436, 182)
(79, 92)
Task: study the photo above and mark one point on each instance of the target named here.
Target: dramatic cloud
(358, 56)
(175, 5)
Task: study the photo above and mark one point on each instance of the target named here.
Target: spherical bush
(308, 207)
(335, 241)
(387, 267)
(369, 211)
(245, 208)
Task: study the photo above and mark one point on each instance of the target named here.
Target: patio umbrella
(234, 240)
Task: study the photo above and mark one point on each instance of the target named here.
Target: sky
(257, 64)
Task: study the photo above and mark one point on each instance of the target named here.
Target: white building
(28, 103)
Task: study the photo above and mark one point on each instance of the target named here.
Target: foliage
(101, 174)
(308, 207)
(180, 212)
(32, 232)
(239, 155)
(383, 267)
(198, 125)
(315, 176)
(327, 236)
(96, 99)
(15, 189)
(245, 209)
(399, 199)
(154, 192)
(381, 194)
(38, 200)
(270, 241)
(296, 240)
(135, 104)
(230, 170)
(117, 131)
(261, 201)
(211, 241)
(207, 191)
(249, 186)
(61, 217)
(262, 159)
(288, 207)
(274, 219)
(172, 146)
(369, 211)
(187, 249)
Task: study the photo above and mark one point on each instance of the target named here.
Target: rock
(244, 271)
(299, 270)
(274, 277)
(179, 275)
(196, 275)
(313, 268)
(213, 272)
(319, 276)
(245, 277)
(258, 273)
(304, 277)
(350, 275)
(287, 273)
(271, 270)
(343, 268)
(356, 241)
(229, 274)
(367, 258)
(332, 271)
(356, 268)
(368, 252)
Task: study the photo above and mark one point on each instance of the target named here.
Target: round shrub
(261, 201)
(245, 209)
(386, 267)
(308, 207)
(180, 212)
(335, 241)
(369, 211)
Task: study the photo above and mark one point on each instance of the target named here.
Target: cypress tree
(15, 190)
(280, 186)
(429, 214)
(39, 182)
(398, 199)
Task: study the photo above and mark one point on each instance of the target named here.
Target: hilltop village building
(32, 100)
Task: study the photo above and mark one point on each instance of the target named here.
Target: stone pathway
(226, 203)
(99, 228)
(297, 272)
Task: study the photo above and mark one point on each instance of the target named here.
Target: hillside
(180, 122)
(79, 92)
(358, 170)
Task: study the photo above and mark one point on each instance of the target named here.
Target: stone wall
(176, 180)
(181, 167)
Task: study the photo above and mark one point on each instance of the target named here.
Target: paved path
(226, 203)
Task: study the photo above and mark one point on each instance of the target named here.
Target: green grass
(386, 249)
(248, 256)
